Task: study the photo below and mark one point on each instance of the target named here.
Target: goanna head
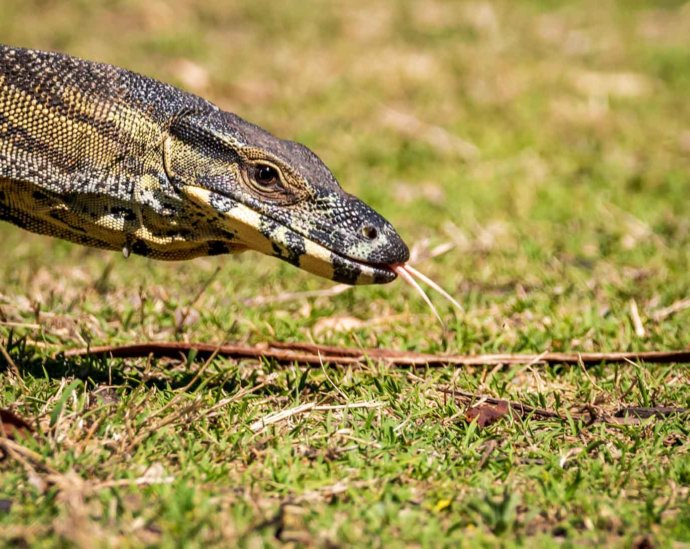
(277, 197)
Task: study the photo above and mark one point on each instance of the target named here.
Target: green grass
(551, 152)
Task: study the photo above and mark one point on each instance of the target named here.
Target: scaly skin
(100, 156)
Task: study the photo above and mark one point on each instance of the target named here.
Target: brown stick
(314, 355)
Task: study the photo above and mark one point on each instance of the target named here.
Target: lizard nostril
(370, 232)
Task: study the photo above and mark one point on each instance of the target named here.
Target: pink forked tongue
(408, 274)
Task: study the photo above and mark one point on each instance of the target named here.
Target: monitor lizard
(104, 157)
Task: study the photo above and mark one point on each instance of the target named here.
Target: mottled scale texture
(104, 157)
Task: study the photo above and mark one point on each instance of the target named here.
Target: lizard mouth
(317, 257)
(360, 247)
(248, 229)
(322, 261)
(320, 257)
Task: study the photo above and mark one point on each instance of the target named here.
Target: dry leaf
(486, 413)
(14, 427)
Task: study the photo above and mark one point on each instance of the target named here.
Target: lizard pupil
(266, 176)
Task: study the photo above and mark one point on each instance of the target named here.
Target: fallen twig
(27, 325)
(276, 417)
(636, 320)
(678, 306)
(310, 354)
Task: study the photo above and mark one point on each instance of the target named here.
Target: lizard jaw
(255, 231)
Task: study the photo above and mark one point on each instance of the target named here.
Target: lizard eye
(266, 176)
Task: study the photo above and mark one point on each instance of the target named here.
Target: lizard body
(104, 157)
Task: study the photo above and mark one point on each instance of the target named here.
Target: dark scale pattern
(104, 157)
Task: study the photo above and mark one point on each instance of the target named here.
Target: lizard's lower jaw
(323, 262)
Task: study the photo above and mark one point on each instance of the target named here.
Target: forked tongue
(409, 274)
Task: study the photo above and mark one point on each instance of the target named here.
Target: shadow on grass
(164, 374)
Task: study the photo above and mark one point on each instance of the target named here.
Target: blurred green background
(536, 157)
